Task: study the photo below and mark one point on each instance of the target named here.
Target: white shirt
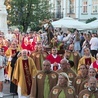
(67, 37)
(94, 43)
(2, 61)
(9, 36)
(60, 37)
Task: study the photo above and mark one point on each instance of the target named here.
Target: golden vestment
(82, 60)
(8, 53)
(38, 58)
(19, 77)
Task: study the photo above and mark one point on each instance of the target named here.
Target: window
(58, 15)
(94, 6)
(84, 6)
(71, 6)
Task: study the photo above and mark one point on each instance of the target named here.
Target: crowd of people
(50, 63)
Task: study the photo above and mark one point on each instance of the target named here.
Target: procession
(60, 60)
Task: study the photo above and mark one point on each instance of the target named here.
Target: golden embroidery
(86, 96)
(38, 56)
(33, 54)
(55, 91)
(70, 91)
(27, 74)
(85, 85)
(44, 55)
(75, 54)
(40, 76)
(78, 81)
(70, 75)
(53, 76)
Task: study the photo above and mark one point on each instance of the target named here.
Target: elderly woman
(62, 89)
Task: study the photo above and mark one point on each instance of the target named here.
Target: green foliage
(20, 27)
(28, 13)
(91, 19)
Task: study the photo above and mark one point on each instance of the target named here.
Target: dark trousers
(93, 53)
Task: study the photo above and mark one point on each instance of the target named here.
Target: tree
(28, 12)
(91, 19)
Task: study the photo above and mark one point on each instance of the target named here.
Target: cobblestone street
(6, 91)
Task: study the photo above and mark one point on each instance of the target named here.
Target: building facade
(78, 9)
